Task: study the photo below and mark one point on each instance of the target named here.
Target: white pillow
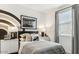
(41, 38)
(25, 37)
(44, 38)
(22, 39)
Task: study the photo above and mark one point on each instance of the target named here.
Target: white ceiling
(41, 7)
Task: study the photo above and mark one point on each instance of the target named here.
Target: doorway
(2, 33)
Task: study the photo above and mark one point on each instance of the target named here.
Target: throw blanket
(42, 47)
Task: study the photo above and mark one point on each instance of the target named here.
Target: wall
(20, 10)
(50, 23)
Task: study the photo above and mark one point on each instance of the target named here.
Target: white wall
(50, 23)
(20, 10)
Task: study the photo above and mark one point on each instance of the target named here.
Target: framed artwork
(13, 35)
(28, 22)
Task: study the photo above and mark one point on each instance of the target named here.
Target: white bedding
(22, 43)
(45, 47)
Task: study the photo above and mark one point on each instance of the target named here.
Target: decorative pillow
(22, 39)
(35, 37)
(47, 38)
(22, 35)
(41, 38)
(26, 37)
(44, 38)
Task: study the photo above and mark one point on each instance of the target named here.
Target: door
(2, 33)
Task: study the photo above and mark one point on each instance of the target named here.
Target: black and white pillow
(35, 37)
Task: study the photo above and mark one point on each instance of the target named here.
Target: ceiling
(6, 22)
(41, 7)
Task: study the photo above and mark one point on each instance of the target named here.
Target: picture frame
(13, 35)
(28, 22)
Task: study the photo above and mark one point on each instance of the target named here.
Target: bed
(41, 47)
